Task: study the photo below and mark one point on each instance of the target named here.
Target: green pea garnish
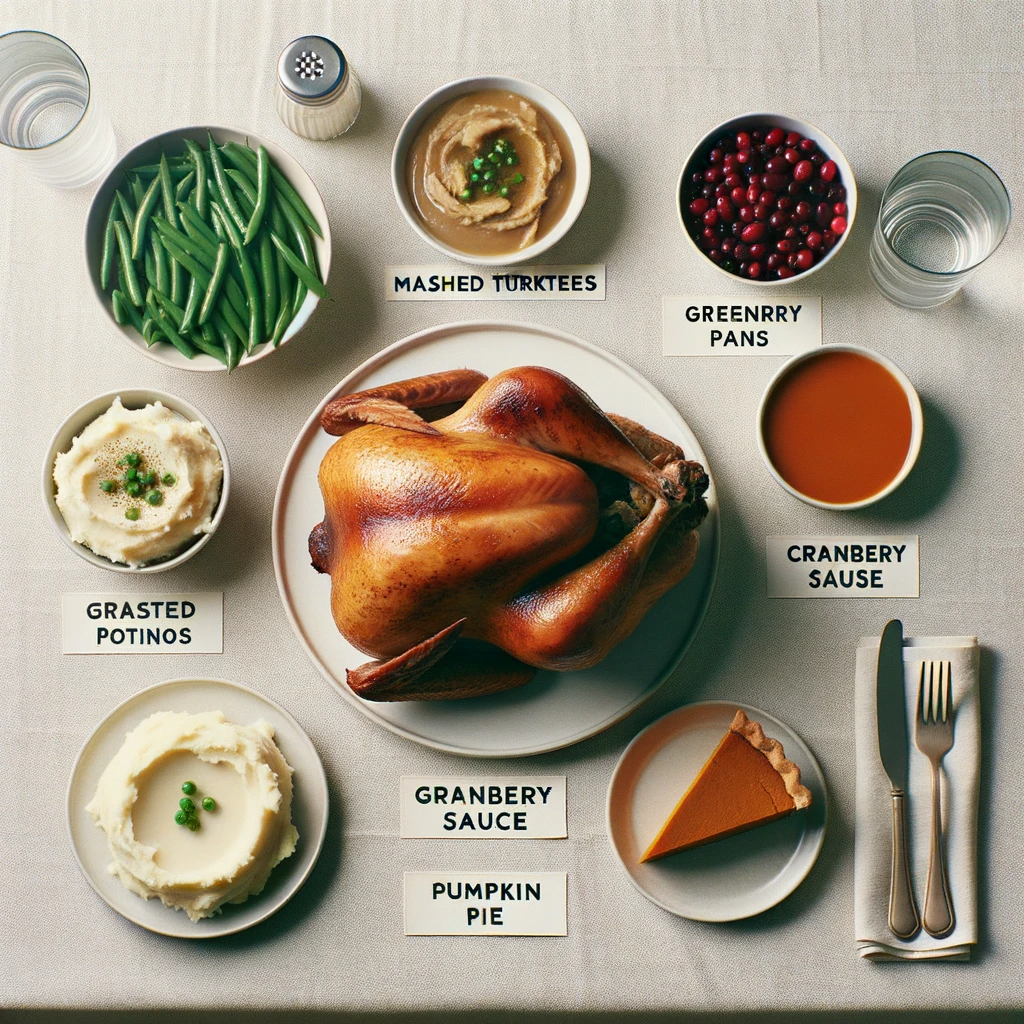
(193, 825)
(503, 191)
(133, 488)
(474, 177)
(132, 474)
(209, 804)
(517, 180)
(512, 160)
(478, 162)
(495, 158)
(188, 788)
(155, 498)
(181, 817)
(168, 479)
(489, 187)
(108, 486)
(133, 458)
(186, 804)
(488, 175)
(149, 479)
(466, 194)
(131, 514)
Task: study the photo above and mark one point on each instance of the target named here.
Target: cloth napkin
(960, 780)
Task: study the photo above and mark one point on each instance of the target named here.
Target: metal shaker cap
(311, 68)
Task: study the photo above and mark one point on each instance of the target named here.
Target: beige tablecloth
(887, 81)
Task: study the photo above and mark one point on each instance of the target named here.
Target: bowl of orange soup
(840, 427)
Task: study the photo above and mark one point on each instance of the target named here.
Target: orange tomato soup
(837, 427)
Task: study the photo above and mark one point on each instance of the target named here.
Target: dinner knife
(894, 748)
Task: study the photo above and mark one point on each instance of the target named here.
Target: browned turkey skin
(526, 529)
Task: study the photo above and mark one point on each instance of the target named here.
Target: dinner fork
(933, 734)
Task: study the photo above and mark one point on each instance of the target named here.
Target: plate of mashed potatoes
(197, 808)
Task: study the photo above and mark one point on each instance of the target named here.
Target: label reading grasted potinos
(143, 623)
(488, 807)
(727, 325)
(428, 283)
(879, 566)
(485, 903)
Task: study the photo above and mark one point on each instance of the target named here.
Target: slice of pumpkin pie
(745, 783)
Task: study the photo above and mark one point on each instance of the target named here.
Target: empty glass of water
(48, 116)
(941, 217)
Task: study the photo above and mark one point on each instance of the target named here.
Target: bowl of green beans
(208, 247)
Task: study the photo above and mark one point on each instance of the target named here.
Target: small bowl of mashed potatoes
(136, 481)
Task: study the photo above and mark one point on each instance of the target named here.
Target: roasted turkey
(476, 530)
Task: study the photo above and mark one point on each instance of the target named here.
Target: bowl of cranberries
(767, 198)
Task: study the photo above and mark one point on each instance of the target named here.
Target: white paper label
(880, 566)
(143, 623)
(485, 903)
(427, 283)
(731, 325)
(487, 807)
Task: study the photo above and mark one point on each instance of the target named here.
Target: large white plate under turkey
(555, 709)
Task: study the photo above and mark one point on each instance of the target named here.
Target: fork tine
(922, 708)
(947, 692)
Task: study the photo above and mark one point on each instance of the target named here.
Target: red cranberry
(734, 180)
(696, 178)
(762, 211)
(722, 191)
(743, 268)
(743, 140)
(729, 163)
(775, 261)
(839, 209)
(785, 203)
(805, 229)
(808, 145)
(755, 232)
(779, 219)
(724, 208)
(715, 255)
(785, 245)
(757, 250)
(744, 156)
(715, 156)
(711, 218)
(817, 159)
(785, 272)
(791, 261)
(794, 188)
(757, 135)
(727, 245)
(837, 193)
(792, 156)
(707, 191)
(736, 227)
(747, 214)
(698, 206)
(754, 179)
(828, 236)
(838, 225)
(793, 139)
(823, 214)
(791, 232)
(817, 187)
(709, 235)
(741, 251)
(805, 259)
(713, 175)
(777, 165)
(738, 196)
(802, 212)
(775, 182)
(774, 136)
(754, 271)
(829, 169)
(803, 171)
(814, 240)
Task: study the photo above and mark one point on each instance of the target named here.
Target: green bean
(161, 276)
(302, 239)
(109, 244)
(127, 310)
(177, 281)
(141, 221)
(232, 319)
(183, 346)
(137, 190)
(127, 212)
(268, 278)
(284, 318)
(199, 162)
(200, 341)
(221, 180)
(284, 274)
(169, 306)
(170, 211)
(262, 197)
(128, 275)
(238, 156)
(232, 349)
(283, 186)
(252, 292)
(191, 215)
(244, 185)
(148, 264)
(302, 272)
(191, 305)
(213, 288)
(202, 251)
(148, 327)
(181, 189)
(179, 166)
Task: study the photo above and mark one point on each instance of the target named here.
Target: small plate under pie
(240, 705)
(730, 879)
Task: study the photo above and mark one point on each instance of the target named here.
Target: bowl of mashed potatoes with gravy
(491, 170)
(136, 481)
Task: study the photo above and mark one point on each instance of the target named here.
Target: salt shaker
(318, 92)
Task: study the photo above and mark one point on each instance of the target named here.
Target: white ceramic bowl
(916, 424)
(551, 105)
(172, 144)
(131, 398)
(748, 122)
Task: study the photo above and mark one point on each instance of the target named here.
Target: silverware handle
(939, 919)
(903, 920)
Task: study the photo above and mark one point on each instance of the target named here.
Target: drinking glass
(941, 217)
(49, 118)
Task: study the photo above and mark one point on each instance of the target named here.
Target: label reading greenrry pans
(143, 623)
(732, 325)
(830, 567)
(430, 283)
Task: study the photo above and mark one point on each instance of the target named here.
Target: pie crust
(752, 732)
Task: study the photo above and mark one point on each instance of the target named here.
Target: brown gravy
(477, 240)
(838, 427)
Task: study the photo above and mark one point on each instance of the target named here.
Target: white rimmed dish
(240, 705)
(550, 105)
(556, 709)
(77, 421)
(736, 877)
(748, 122)
(172, 143)
(916, 424)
